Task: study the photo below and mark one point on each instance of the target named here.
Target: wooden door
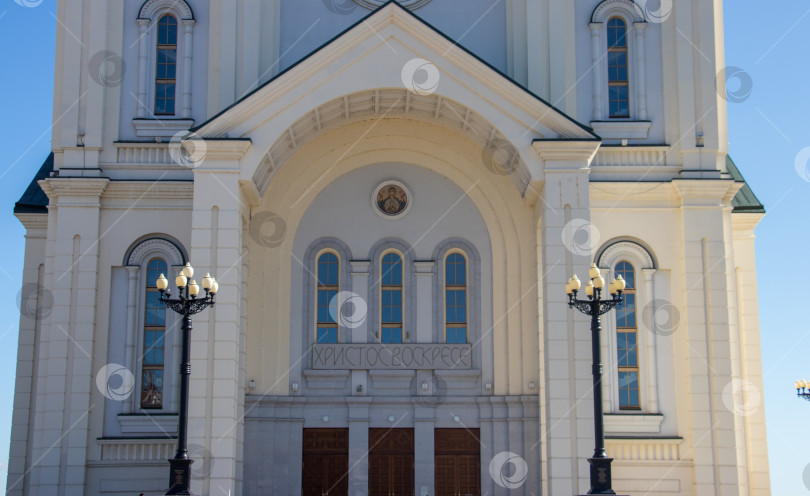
(390, 462)
(457, 462)
(325, 462)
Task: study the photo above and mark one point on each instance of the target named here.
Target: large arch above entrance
(497, 152)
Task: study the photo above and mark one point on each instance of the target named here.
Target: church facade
(392, 198)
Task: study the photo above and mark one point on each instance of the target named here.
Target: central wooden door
(326, 462)
(457, 462)
(390, 462)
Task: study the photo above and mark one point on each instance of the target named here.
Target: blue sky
(767, 132)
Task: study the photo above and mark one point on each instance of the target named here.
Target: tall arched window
(391, 299)
(328, 288)
(154, 332)
(166, 73)
(627, 340)
(618, 74)
(455, 298)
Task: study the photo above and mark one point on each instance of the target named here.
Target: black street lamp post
(594, 306)
(803, 389)
(186, 304)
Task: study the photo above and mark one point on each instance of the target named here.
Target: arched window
(618, 74)
(627, 341)
(455, 298)
(328, 288)
(154, 331)
(391, 311)
(166, 71)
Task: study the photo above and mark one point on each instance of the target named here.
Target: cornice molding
(706, 192)
(33, 222)
(575, 151)
(57, 187)
(218, 150)
(743, 223)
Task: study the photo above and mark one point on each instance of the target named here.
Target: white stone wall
(305, 148)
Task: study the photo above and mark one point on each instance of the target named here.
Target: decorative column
(188, 29)
(132, 332)
(143, 67)
(215, 418)
(640, 28)
(568, 424)
(63, 407)
(596, 68)
(651, 347)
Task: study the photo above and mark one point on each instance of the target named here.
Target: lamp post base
(180, 478)
(600, 476)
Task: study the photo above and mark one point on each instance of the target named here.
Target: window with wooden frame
(328, 288)
(391, 292)
(455, 298)
(154, 332)
(166, 70)
(618, 72)
(627, 340)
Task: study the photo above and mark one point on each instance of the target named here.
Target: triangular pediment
(389, 49)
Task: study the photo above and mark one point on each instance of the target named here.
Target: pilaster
(215, 415)
(61, 419)
(35, 306)
(714, 411)
(567, 423)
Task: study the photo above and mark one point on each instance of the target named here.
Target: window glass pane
(153, 271)
(167, 30)
(328, 270)
(617, 33)
(392, 270)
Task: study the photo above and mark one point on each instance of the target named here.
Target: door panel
(457, 462)
(325, 462)
(390, 462)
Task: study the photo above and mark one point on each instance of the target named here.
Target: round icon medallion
(391, 199)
